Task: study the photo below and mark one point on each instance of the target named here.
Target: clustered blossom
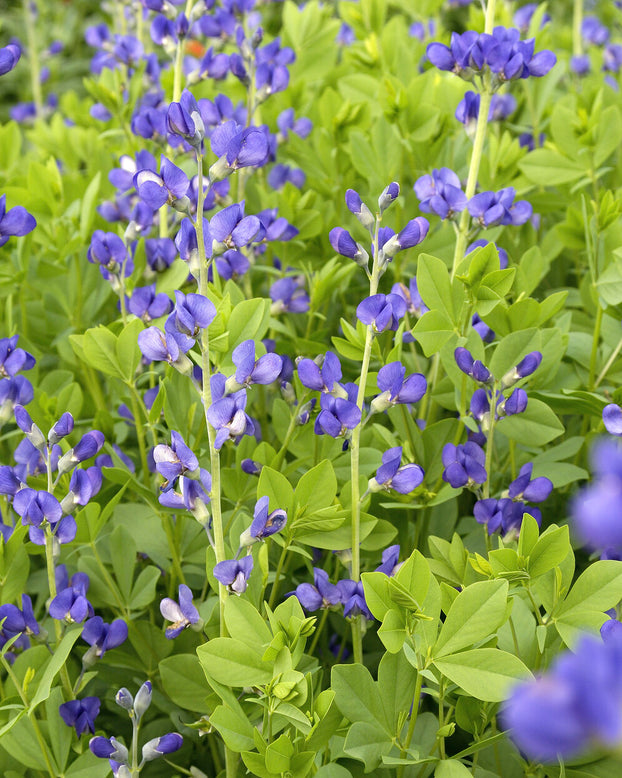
(322, 594)
(502, 54)
(116, 752)
(505, 515)
(577, 703)
(14, 222)
(595, 510)
(182, 614)
(390, 475)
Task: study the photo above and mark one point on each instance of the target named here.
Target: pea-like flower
(353, 599)
(234, 573)
(381, 312)
(174, 460)
(320, 594)
(170, 186)
(391, 476)
(396, 388)
(321, 379)
(16, 222)
(102, 637)
(183, 613)
(474, 368)
(265, 522)
(336, 416)
(440, 193)
(249, 371)
(70, 604)
(184, 119)
(464, 464)
(80, 714)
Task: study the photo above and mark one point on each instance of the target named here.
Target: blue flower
(182, 613)
(234, 573)
(320, 594)
(80, 714)
(16, 222)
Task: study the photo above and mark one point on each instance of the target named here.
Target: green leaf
(235, 729)
(392, 631)
(434, 284)
(484, 673)
(317, 488)
(275, 485)
(87, 206)
(87, 765)
(143, 591)
(99, 347)
(538, 424)
(549, 551)
(396, 683)
(597, 588)
(128, 351)
(233, 663)
(376, 588)
(548, 168)
(432, 331)
(529, 533)
(451, 768)
(123, 554)
(333, 770)
(184, 683)
(249, 320)
(243, 619)
(357, 696)
(278, 754)
(367, 743)
(414, 575)
(512, 349)
(59, 732)
(609, 284)
(61, 653)
(477, 612)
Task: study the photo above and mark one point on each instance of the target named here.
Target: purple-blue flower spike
(612, 419)
(320, 594)
(9, 57)
(15, 222)
(391, 476)
(336, 416)
(80, 714)
(381, 312)
(388, 196)
(440, 193)
(102, 637)
(159, 746)
(265, 523)
(249, 371)
(322, 379)
(353, 599)
(234, 573)
(174, 460)
(109, 748)
(396, 388)
(357, 207)
(525, 368)
(344, 244)
(526, 488)
(228, 417)
(184, 119)
(464, 465)
(472, 367)
(183, 613)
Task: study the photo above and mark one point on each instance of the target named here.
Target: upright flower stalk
(206, 394)
(33, 55)
(357, 635)
(478, 148)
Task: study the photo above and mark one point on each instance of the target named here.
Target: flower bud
(142, 701)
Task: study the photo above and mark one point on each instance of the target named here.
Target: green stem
(206, 395)
(134, 401)
(357, 636)
(441, 716)
(278, 460)
(33, 57)
(608, 364)
(318, 631)
(490, 440)
(179, 53)
(577, 21)
(33, 720)
(595, 342)
(476, 158)
(135, 769)
(412, 723)
(277, 576)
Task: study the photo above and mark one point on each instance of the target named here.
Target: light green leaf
(477, 612)
(484, 673)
